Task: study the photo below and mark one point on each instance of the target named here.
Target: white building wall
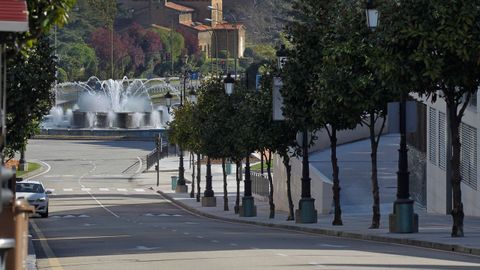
(436, 158)
(321, 185)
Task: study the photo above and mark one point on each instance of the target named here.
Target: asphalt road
(103, 219)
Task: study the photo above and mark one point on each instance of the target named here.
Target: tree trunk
(236, 208)
(457, 210)
(375, 190)
(199, 176)
(336, 181)
(270, 181)
(192, 192)
(225, 190)
(288, 168)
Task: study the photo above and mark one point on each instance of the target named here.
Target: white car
(35, 193)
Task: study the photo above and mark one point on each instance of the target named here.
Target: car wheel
(44, 215)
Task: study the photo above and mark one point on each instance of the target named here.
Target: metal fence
(163, 153)
(260, 185)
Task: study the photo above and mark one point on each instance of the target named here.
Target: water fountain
(109, 105)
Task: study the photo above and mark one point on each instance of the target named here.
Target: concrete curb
(335, 233)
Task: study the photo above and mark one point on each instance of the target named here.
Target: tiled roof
(13, 16)
(178, 7)
(228, 26)
(197, 26)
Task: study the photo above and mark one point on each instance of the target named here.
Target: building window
(432, 135)
(468, 155)
(442, 140)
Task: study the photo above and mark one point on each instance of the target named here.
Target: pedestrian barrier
(157, 154)
(260, 184)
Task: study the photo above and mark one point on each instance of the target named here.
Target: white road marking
(122, 189)
(144, 248)
(68, 189)
(69, 216)
(215, 241)
(281, 255)
(233, 244)
(186, 233)
(86, 189)
(199, 236)
(88, 224)
(176, 215)
(83, 216)
(163, 215)
(42, 173)
(99, 203)
(103, 189)
(333, 246)
(149, 215)
(139, 190)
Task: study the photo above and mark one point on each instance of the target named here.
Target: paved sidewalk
(434, 230)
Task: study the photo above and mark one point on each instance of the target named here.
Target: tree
(78, 61)
(102, 44)
(353, 58)
(31, 76)
(432, 49)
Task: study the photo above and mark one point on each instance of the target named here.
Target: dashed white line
(103, 189)
(139, 190)
(68, 189)
(215, 241)
(186, 233)
(86, 189)
(122, 189)
(233, 244)
(281, 255)
(199, 237)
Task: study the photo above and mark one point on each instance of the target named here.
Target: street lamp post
(192, 96)
(306, 212)
(181, 184)
(403, 219)
(158, 144)
(248, 208)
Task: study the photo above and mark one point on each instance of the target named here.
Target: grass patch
(31, 167)
(257, 167)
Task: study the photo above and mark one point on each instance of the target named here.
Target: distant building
(200, 22)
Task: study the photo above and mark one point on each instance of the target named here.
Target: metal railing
(163, 153)
(260, 185)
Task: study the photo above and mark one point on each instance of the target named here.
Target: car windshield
(29, 188)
